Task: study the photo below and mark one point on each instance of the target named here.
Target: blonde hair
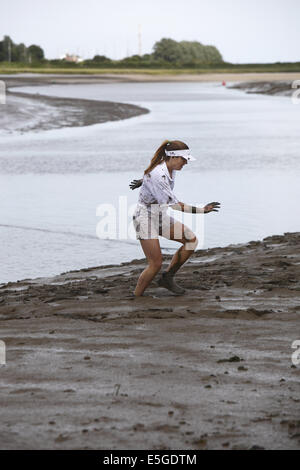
(160, 155)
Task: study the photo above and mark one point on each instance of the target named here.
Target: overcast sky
(243, 30)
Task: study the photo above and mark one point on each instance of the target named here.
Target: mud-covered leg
(184, 235)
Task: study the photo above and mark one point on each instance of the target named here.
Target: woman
(151, 218)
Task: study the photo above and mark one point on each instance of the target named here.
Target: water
(247, 149)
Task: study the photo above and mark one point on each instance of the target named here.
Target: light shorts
(151, 225)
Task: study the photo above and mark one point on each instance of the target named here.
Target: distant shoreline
(27, 79)
(73, 112)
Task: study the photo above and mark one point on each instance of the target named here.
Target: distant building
(72, 58)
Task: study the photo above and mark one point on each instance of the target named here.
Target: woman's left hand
(136, 184)
(212, 207)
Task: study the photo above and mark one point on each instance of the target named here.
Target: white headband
(180, 153)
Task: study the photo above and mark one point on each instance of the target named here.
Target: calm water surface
(247, 149)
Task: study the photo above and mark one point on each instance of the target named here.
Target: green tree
(213, 55)
(35, 53)
(97, 61)
(6, 47)
(167, 49)
(21, 53)
(101, 59)
(185, 52)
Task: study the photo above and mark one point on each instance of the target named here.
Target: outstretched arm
(136, 183)
(211, 207)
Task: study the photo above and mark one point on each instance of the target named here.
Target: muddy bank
(280, 88)
(89, 367)
(34, 112)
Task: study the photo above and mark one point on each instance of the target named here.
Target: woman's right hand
(136, 184)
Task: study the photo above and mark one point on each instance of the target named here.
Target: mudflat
(88, 366)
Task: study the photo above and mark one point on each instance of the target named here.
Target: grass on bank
(9, 68)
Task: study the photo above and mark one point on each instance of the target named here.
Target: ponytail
(160, 154)
(158, 157)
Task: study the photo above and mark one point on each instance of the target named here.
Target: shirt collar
(166, 171)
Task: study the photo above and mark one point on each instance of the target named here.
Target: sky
(244, 31)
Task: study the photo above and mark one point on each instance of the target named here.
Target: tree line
(166, 53)
(11, 52)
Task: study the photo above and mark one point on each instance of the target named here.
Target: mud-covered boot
(167, 280)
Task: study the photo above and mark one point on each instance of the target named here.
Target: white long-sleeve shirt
(157, 187)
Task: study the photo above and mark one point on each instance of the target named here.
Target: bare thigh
(180, 233)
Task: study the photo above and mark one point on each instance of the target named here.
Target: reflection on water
(247, 149)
